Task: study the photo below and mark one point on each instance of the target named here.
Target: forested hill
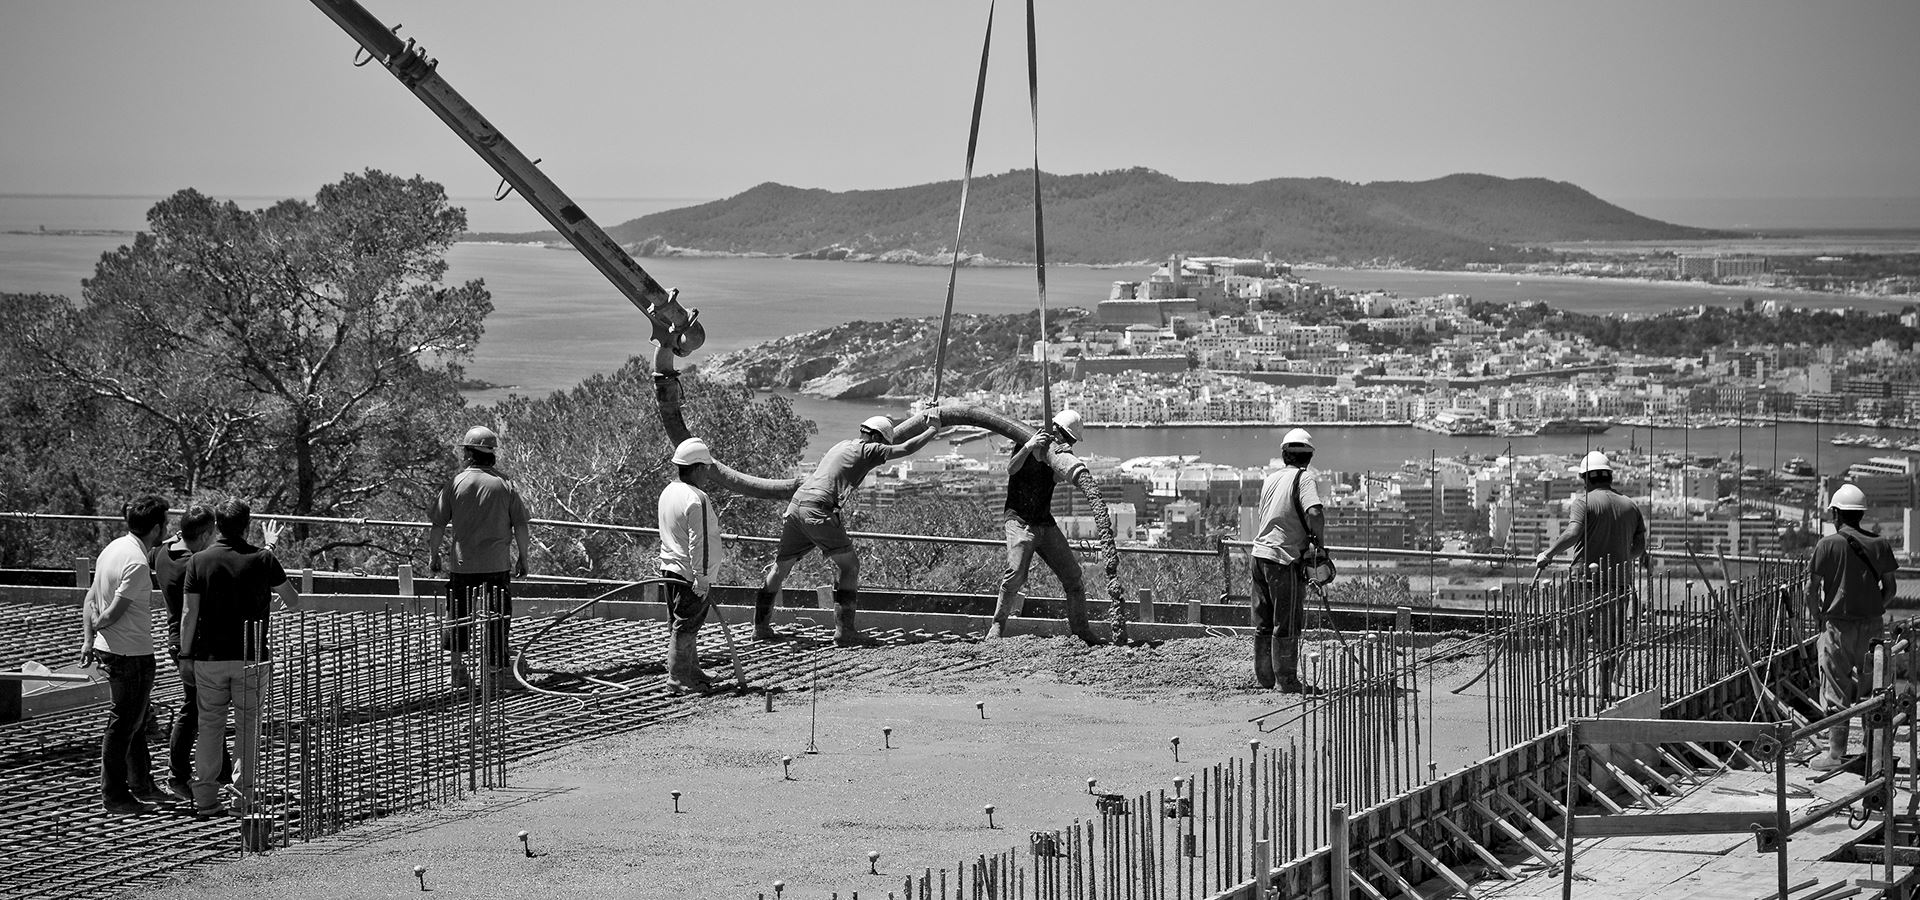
(1138, 214)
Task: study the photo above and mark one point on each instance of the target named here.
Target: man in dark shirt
(223, 629)
(813, 520)
(1031, 476)
(1611, 534)
(1852, 578)
(169, 564)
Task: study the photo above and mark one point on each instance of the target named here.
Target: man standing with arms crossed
(117, 624)
(1292, 519)
(691, 556)
(813, 519)
(229, 594)
(1611, 533)
(1852, 578)
(1031, 476)
(488, 518)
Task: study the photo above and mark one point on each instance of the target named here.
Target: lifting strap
(966, 181)
(1039, 222)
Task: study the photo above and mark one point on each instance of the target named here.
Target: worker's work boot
(1263, 659)
(845, 633)
(763, 617)
(1286, 665)
(683, 667)
(1077, 619)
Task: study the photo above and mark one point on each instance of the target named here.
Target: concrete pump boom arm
(673, 326)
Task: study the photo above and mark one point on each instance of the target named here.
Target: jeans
(221, 684)
(495, 614)
(1023, 541)
(185, 726)
(126, 764)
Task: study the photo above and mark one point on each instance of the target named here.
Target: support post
(1146, 613)
(1340, 854)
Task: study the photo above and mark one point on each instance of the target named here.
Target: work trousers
(185, 726)
(1279, 599)
(126, 763)
(224, 684)
(686, 610)
(488, 596)
(1846, 647)
(1023, 541)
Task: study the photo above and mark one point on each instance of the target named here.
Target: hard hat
(1068, 422)
(880, 425)
(480, 437)
(1298, 437)
(692, 451)
(1595, 461)
(1849, 497)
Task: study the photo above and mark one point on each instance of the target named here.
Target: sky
(1708, 104)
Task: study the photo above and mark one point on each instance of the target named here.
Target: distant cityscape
(1231, 341)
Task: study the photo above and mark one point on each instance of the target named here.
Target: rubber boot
(845, 633)
(1263, 659)
(1286, 664)
(683, 667)
(763, 617)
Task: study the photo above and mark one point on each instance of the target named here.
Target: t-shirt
(1283, 534)
(483, 507)
(121, 571)
(1030, 487)
(169, 562)
(1851, 587)
(689, 533)
(842, 468)
(235, 581)
(1609, 529)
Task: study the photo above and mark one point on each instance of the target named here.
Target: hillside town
(1210, 340)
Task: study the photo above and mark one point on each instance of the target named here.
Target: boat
(1573, 426)
(1456, 422)
(1797, 467)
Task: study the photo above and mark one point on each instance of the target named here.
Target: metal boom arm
(673, 326)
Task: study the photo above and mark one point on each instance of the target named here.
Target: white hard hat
(1849, 497)
(1298, 437)
(880, 425)
(480, 437)
(1595, 461)
(691, 452)
(1068, 422)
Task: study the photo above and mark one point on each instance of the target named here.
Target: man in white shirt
(117, 621)
(1291, 520)
(690, 558)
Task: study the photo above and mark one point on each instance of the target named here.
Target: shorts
(808, 525)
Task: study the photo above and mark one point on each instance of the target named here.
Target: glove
(933, 418)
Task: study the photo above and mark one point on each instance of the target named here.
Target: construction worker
(488, 518)
(1292, 520)
(1031, 475)
(1852, 578)
(813, 520)
(1611, 534)
(690, 558)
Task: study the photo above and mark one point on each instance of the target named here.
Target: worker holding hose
(690, 558)
(813, 519)
(1031, 529)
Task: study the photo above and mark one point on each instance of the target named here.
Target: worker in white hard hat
(1852, 580)
(690, 558)
(813, 519)
(483, 508)
(1042, 462)
(1611, 535)
(1292, 524)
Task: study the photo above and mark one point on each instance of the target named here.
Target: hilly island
(1132, 215)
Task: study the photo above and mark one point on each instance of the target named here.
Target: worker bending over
(813, 520)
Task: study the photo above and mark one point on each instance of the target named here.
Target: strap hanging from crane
(966, 181)
(1039, 220)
